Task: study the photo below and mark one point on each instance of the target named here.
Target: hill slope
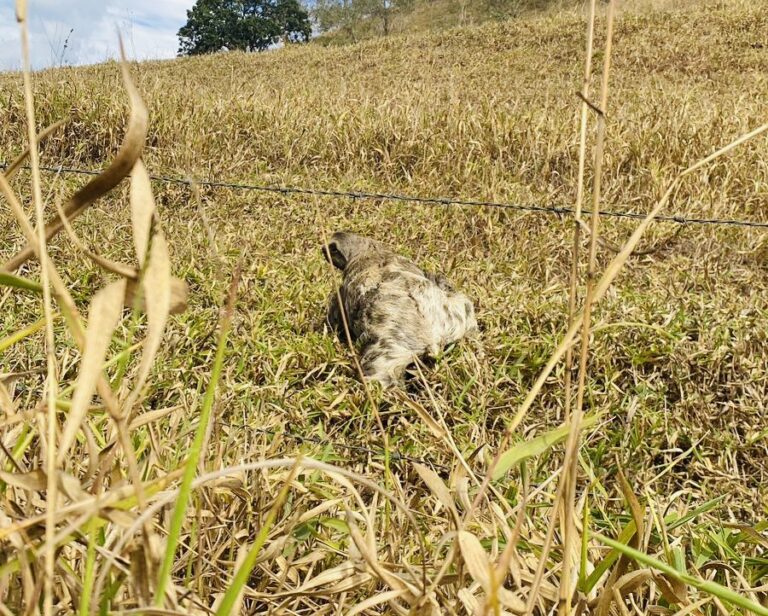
(422, 16)
(485, 111)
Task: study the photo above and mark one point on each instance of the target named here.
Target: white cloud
(89, 29)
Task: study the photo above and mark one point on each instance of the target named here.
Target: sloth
(395, 312)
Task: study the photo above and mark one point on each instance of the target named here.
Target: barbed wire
(445, 201)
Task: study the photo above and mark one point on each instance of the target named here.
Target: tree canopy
(250, 25)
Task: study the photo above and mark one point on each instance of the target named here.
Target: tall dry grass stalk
(104, 314)
(567, 501)
(565, 581)
(50, 342)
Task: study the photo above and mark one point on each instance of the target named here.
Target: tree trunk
(386, 8)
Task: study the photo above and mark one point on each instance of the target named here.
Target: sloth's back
(388, 296)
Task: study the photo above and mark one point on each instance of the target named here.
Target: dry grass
(423, 16)
(678, 351)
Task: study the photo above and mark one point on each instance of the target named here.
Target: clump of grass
(671, 472)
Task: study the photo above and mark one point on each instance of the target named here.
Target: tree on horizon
(248, 25)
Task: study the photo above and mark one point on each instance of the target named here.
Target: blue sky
(148, 26)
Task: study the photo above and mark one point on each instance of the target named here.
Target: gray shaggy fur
(396, 312)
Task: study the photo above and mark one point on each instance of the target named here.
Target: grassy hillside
(423, 16)
(678, 367)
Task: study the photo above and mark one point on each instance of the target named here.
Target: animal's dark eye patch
(332, 253)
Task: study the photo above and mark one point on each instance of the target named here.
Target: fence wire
(443, 201)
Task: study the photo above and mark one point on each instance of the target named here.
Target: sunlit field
(309, 493)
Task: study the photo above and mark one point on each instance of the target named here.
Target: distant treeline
(256, 25)
(342, 21)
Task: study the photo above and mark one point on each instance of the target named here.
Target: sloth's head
(345, 247)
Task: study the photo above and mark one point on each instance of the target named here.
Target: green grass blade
(629, 530)
(17, 282)
(672, 523)
(244, 572)
(605, 564)
(536, 446)
(721, 592)
(197, 444)
(584, 543)
(18, 336)
(90, 569)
